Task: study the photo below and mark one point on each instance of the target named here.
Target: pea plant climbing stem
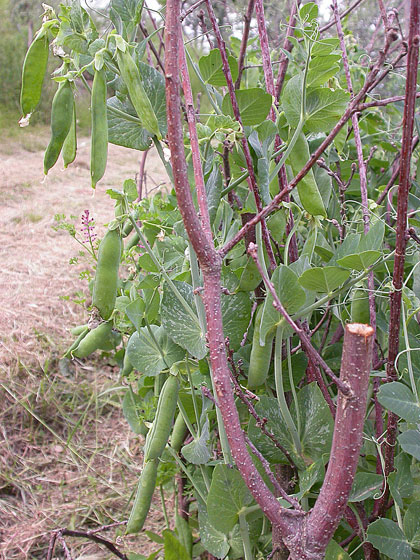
(263, 306)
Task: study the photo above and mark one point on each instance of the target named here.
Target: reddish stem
(287, 46)
(244, 42)
(401, 227)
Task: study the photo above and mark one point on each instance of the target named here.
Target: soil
(67, 457)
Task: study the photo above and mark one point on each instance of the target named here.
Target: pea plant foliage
(264, 308)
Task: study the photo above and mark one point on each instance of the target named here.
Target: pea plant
(264, 309)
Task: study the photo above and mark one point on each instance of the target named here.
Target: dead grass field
(67, 457)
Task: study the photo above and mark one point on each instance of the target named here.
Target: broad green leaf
(179, 324)
(324, 106)
(404, 481)
(214, 541)
(291, 295)
(154, 86)
(365, 485)
(132, 406)
(323, 47)
(410, 442)
(398, 398)
(314, 473)
(323, 279)
(321, 69)
(211, 68)
(135, 312)
(227, 496)
(254, 105)
(214, 186)
(197, 452)
(411, 524)
(308, 12)
(359, 261)
(316, 423)
(374, 238)
(387, 537)
(174, 550)
(236, 314)
(335, 552)
(152, 352)
(124, 132)
(128, 10)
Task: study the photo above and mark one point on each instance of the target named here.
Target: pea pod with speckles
(259, 361)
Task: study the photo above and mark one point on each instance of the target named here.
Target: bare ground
(67, 457)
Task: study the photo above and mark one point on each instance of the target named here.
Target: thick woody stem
(244, 42)
(244, 141)
(401, 227)
(347, 440)
(195, 148)
(210, 262)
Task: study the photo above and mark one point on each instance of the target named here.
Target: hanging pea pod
(106, 277)
(70, 143)
(99, 138)
(260, 359)
(61, 119)
(144, 495)
(141, 103)
(93, 340)
(34, 69)
(307, 188)
(158, 436)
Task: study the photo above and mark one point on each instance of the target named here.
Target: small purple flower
(88, 224)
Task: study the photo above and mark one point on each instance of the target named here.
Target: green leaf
(254, 105)
(214, 541)
(126, 9)
(236, 314)
(132, 406)
(316, 423)
(410, 442)
(324, 106)
(359, 261)
(398, 398)
(387, 537)
(124, 132)
(197, 452)
(411, 524)
(314, 473)
(174, 550)
(214, 186)
(374, 238)
(227, 496)
(365, 485)
(179, 324)
(135, 312)
(335, 552)
(323, 279)
(154, 86)
(211, 68)
(290, 294)
(152, 352)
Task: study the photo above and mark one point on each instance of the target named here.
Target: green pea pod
(84, 329)
(33, 73)
(141, 103)
(99, 138)
(132, 242)
(158, 436)
(61, 119)
(259, 361)
(70, 143)
(307, 188)
(179, 433)
(106, 277)
(144, 495)
(93, 340)
(360, 312)
(113, 340)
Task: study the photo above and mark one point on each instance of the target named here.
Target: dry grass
(67, 457)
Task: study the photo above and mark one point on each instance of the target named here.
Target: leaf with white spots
(387, 537)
